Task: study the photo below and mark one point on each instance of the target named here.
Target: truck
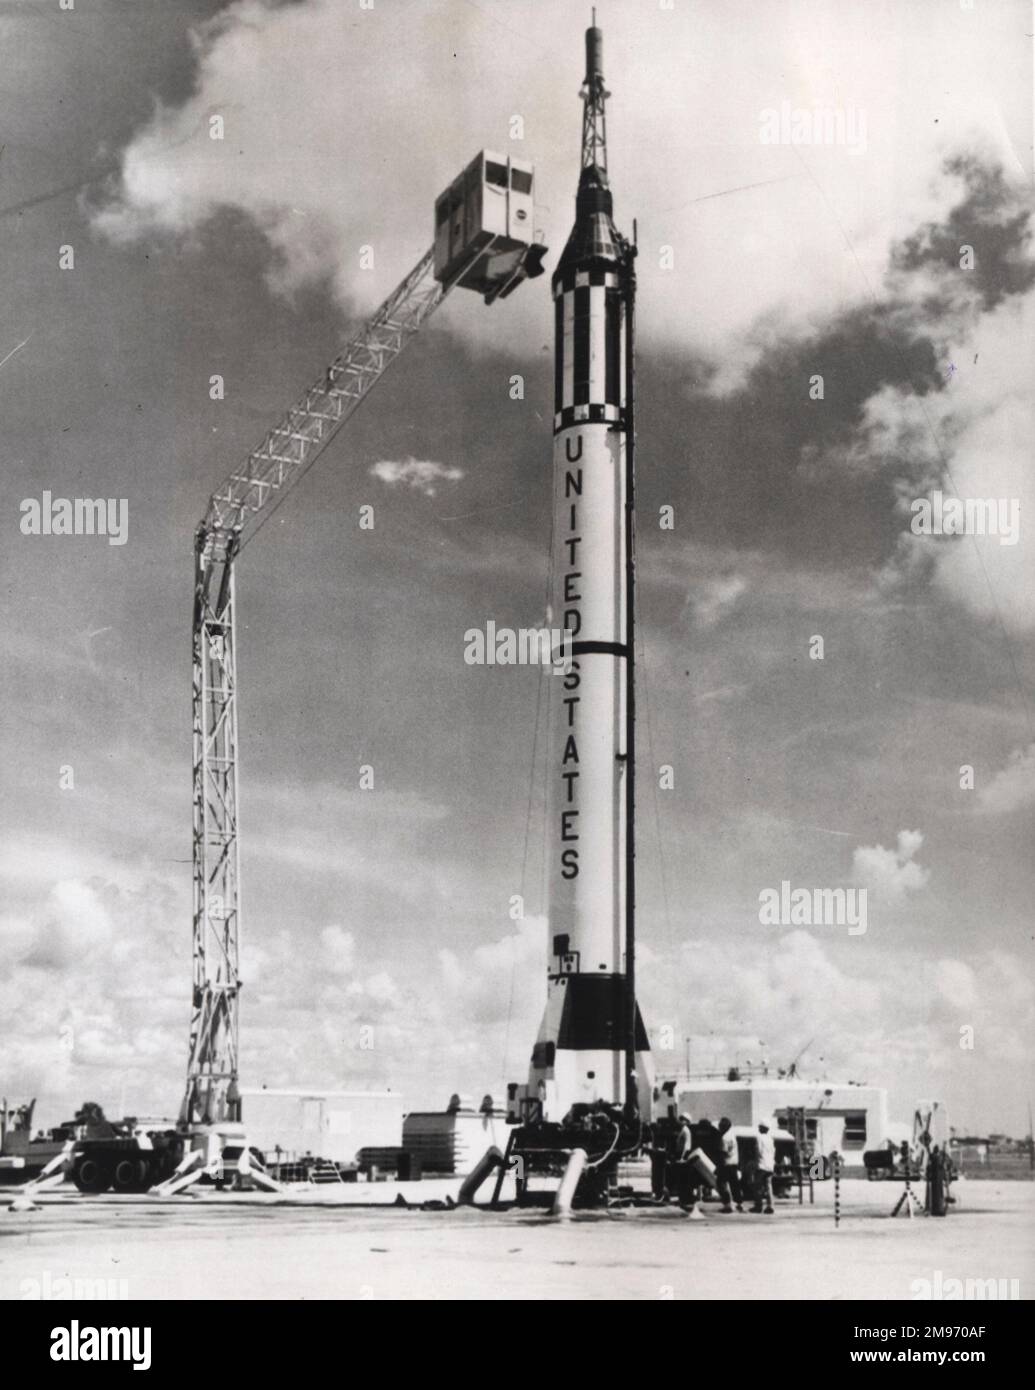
(124, 1155)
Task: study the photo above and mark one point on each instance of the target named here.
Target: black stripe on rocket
(582, 396)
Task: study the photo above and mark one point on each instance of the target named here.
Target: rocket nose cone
(594, 236)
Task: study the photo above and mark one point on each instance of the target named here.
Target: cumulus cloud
(380, 988)
(1013, 786)
(339, 950)
(716, 598)
(992, 992)
(415, 1020)
(74, 921)
(738, 1004)
(93, 988)
(501, 977)
(313, 113)
(993, 461)
(925, 386)
(898, 1028)
(956, 983)
(992, 220)
(891, 873)
(969, 440)
(421, 474)
(797, 978)
(854, 271)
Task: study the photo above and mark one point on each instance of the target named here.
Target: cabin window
(441, 211)
(495, 173)
(520, 181)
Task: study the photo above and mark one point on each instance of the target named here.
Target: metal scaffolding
(235, 512)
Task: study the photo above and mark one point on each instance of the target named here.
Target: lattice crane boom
(293, 444)
(493, 259)
(235, 511)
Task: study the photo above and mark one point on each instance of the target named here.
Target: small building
(838, 1116)
(327, 1124)
(454, 1140)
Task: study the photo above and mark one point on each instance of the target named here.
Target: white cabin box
(488, 213)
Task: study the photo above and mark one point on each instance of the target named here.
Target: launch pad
(547, 1149)
(231, 1246)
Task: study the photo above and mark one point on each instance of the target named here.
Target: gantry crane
(484, 240)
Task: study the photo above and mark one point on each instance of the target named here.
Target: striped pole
(837, 1189)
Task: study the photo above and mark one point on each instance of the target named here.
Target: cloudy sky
(762, 265)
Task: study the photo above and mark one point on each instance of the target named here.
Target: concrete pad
(266, 1248)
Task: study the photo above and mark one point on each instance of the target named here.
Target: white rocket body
(581, 1052)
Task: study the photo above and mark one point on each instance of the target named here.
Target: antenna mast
(594, 95)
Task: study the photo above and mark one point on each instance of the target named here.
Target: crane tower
(484, 240)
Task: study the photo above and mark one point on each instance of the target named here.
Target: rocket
(592, 1045)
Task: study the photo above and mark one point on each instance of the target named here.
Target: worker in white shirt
(764, 1166)
(729, 1167)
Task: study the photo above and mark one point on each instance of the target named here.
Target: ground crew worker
(729, 1167)
(709, 1142)
(764, 1170)
(631, 1109)
(658, 1149)
(686, 1187)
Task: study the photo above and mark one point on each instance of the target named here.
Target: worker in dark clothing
(709, 1141)
(658, 1149)
(729, 1167)
(631, 1109)
(685, 1176)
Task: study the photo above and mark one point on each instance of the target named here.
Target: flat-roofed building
(327, 1124)
(837, 1116)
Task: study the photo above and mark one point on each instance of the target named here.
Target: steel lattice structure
(594, 97)
(235, 512)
